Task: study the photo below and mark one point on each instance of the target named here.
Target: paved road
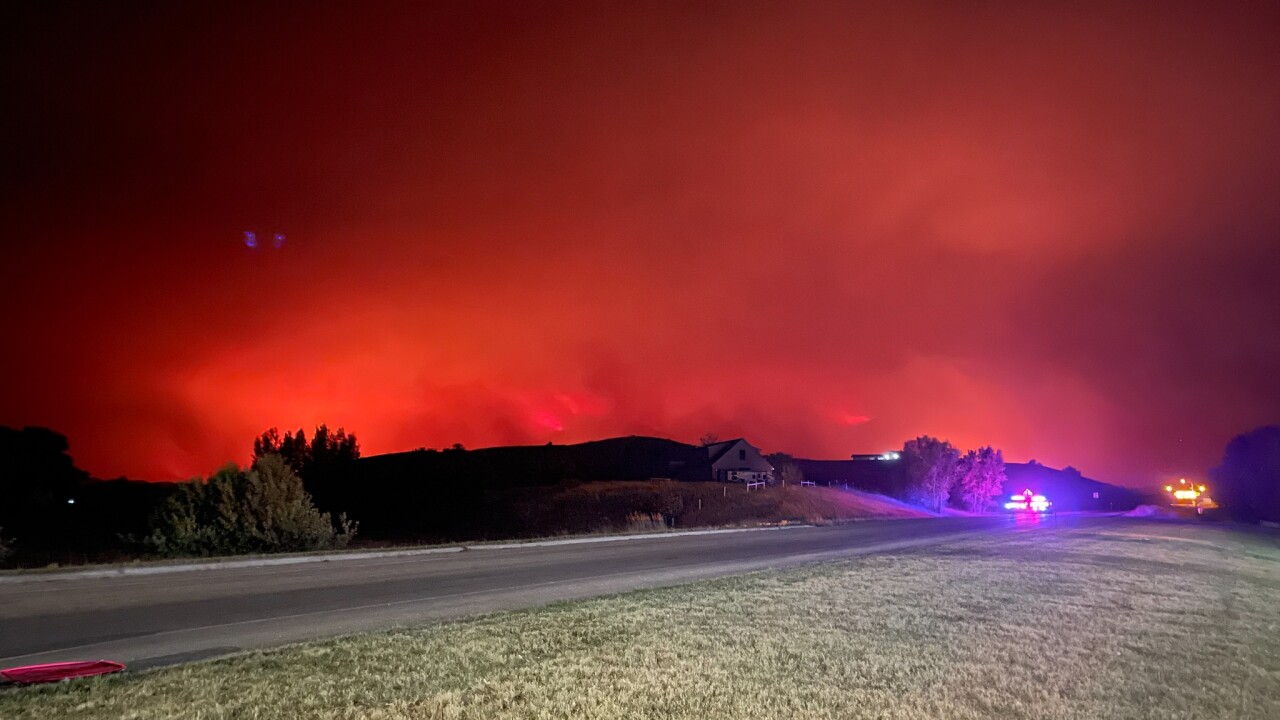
(175, 617)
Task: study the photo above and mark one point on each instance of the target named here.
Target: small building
(738, 461)
(889, 456)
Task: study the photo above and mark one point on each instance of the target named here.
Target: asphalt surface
(174, 617)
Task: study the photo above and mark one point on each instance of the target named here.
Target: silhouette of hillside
(503, 491)
(869, 475)
(55, 512)
(1068, 490)
(624, 483)
(623, 458)
(458, 493)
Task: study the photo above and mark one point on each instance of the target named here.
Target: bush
(262, 509)
(645, 522)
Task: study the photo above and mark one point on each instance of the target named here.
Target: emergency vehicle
(1027, 501)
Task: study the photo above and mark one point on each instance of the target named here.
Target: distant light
(71, 501)
(1201, 488)
(250, 239)
(277, 240)
(1168, 488)
(1182, 481)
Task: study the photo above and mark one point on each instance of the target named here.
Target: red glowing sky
(825, 226)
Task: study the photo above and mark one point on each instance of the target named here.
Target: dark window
(742, 454)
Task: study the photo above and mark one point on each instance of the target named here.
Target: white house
(738, 461)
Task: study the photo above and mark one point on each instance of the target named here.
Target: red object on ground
(53, 672)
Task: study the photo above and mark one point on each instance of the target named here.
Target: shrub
(262, 509)
(670, 508)
(645, 522)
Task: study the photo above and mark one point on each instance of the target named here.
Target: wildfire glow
(828, 227)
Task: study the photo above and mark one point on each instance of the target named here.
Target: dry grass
(1141, 620)
(603, 506)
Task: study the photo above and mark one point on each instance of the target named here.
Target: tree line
(297, 488)
(262, 508)
(52, 511)
(935, 474)
(1247, 481)
(931, 473)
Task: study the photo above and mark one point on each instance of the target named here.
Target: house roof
(717, 450)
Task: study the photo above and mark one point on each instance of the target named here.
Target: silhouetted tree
(262, 509)
(267, 443)
(323, 462)
(308, 459)
(931, 469)
(792, 474)
(37, 478)
(1247, 483)
(785, 468)
(980, 476)
(708, 439)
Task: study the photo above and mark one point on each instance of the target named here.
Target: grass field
(1136, 620)
(613, 506)
(713, 504)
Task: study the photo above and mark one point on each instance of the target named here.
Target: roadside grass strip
(1127, 620)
